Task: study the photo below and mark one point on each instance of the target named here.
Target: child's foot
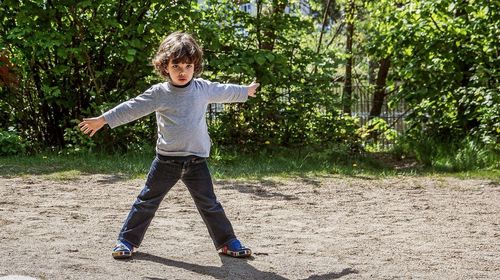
(236, 249)
(122, 250)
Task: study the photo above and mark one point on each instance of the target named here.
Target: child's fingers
(83, 126)
(87, 127)
(85, 122)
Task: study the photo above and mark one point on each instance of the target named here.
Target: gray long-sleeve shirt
(180, 114)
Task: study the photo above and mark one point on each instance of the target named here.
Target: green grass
(490, 174)
(292, 163)
(459, 155)
(63, 175)
(66, 166)
(283, 163)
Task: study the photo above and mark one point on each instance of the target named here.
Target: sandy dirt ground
(301, 228)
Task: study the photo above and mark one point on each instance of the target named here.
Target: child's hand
(92, 125)
(252, 88)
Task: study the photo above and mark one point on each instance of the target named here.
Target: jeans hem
(133, 244)
(225, 243)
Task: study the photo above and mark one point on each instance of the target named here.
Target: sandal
(122, 251)
(236, 249)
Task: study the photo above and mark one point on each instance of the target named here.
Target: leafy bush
(11, 143)
(483, 106)
(79, 59)
(299, 128)
(76, 141)
(376, 131)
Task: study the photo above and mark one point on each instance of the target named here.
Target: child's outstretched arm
(92, 125)
(125, 112)
(228, 93)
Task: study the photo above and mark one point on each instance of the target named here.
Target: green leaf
(132, 52)
(140, 28)
(270, 57)
(260, 59)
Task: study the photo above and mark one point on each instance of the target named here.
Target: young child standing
(183, 143)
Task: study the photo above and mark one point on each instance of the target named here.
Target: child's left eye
(189, 66)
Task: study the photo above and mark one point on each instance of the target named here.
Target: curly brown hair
(178, 47)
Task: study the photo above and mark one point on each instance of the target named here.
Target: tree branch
(325, 19)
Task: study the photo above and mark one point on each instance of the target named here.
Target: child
(183, 142)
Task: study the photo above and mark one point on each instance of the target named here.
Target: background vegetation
(61, 61)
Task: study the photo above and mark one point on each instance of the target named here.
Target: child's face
(180, 73)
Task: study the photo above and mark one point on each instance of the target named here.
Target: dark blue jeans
(164, 173)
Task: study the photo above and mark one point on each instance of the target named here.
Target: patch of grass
(64, 175)
(277, 163)
(486, 174)
(459, 155)
(61, 166)
(292, 163)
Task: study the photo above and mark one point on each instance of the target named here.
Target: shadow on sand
(232, 269)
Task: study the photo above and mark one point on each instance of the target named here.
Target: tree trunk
(347, 92)
(269, 39)
(379, 94)
(266, 33)
(372, 66)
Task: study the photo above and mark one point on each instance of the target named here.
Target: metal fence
(363, 102)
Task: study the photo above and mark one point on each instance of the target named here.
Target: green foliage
(72, 60)
(445, 56)
(472, 155)
(482, 105)
(453, 155)
(376, 131)
(296, 104)
(76, 141)
(80, 59)
(11, 143)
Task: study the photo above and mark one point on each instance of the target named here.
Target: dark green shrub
(11, 143)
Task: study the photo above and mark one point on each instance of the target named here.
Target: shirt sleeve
(133, 109)
(225, 93)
